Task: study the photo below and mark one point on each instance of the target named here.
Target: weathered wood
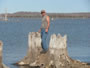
(1, 49)
(56, 57)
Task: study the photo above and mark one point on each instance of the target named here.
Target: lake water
(14, 34)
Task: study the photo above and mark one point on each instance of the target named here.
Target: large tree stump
(56, 57)
(1, 48)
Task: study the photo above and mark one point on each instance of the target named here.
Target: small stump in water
(1, 49)
(56, 57)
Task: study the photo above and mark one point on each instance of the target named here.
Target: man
(44, 30)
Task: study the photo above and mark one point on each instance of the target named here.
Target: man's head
(43, 12)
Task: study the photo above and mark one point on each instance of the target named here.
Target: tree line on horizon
(52, 15)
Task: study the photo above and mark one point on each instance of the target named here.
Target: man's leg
(44, 37)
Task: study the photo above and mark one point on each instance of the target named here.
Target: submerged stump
(56, 57)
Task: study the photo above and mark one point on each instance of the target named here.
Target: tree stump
(56, 57)
(1, 49)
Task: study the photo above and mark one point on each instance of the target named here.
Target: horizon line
(46, 12)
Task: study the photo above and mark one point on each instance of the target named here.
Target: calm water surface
(14, 34)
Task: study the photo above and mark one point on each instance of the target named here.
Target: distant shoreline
(52, 15)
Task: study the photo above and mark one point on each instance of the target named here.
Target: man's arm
(48, 23)
(39, 30)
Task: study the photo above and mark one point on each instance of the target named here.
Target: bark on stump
(1, 49)
(56, 57)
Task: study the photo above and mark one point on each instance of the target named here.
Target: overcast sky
(61, 6)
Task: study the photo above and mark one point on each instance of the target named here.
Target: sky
(57, 6)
